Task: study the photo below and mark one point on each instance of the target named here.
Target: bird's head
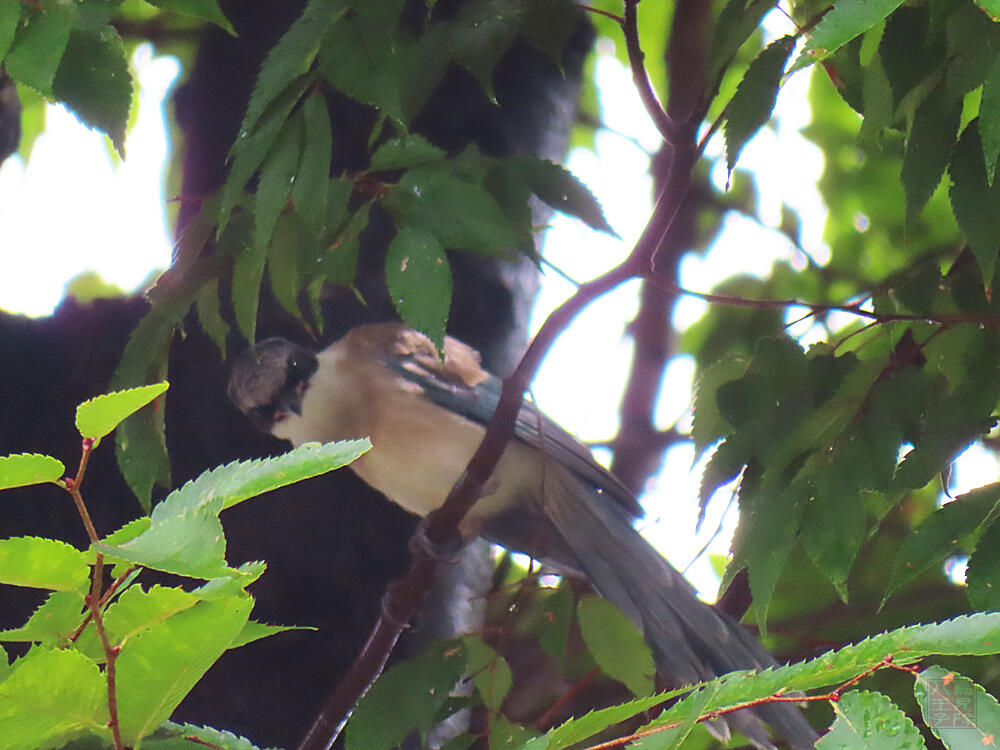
(268, 381)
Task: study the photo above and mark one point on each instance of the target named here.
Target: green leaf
(136, 610)
(159, 667)
(556, 618)
(43, 564)
(275, 182)
(255, 631)
(205, 10)
(575, 731)
(929, 143)
(866, 720)
(975, 202)
(289, 244)
(190, 544)
(767, 536)
(989, 117)
(672, 738)
(461, 213)
(983, 575)
(977, 634)
(406, 698)
(241, 480)
(51, 697)
(140, 443)
(418, 275)
(405, 152)
(753, 102)
(340, 260)
(171, 736)
(220, 588)
(101, 415)
(991, 8)
(958, 711)
(312, 180)
(941, 533)
(561, 189)
(847, 19)
(253, 146)
(738, 20)
(210, 318)
(616, 645)
(358, 59)
(53, 622)
(708, 425)
(483, 32)
(10, 15)
(248, 272)
(94, 81)
(973, 49)
(834, 526)
(505, 733)
(287, 61)
(23, 469)
(35, 54)
(548, 24)
(489, 671)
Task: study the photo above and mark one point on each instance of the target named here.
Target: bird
(425, 412)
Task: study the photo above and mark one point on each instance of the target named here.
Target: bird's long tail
(690, 640)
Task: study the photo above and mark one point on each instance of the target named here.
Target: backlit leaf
(929, 143)
(754, 100)
(35, 54)
(159, 667)
(941, 533)
(975, 202)
(42, 564)
(94, 81)
(51, 697)
(616, 645)
(23, 469)
(100, 415)
(983, 575)
(205, 10)
(846, 20)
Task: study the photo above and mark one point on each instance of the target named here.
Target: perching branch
(441, 527)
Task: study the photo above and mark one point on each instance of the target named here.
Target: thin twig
(833, 695)
(104, 600)
(607, 14)
(72, 485)
(946, 319)
(659, 116)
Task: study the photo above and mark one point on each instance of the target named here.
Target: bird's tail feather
(690, 640)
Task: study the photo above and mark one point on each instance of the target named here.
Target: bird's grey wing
(532, 426)
(691, 641)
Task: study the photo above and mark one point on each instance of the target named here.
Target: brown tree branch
(630, 28)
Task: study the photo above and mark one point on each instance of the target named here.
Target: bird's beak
(289, 403)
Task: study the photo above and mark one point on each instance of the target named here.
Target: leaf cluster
(72, 53)
(112, 661)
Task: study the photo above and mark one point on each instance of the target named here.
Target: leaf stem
(72, 486)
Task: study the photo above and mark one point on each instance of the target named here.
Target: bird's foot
(449, 551)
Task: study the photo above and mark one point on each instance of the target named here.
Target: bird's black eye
(294, 366)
